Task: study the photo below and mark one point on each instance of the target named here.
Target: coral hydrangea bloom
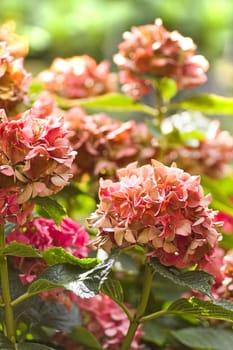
(211, 155)
(14, 80)
(105, 320)
(104, 144)
(42, 234)
(162, 208)
(153, 51)
(17, 44)
(78, 77)
(35, 155)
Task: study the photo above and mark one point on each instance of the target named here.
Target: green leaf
(219, 310)
(113, 289)
(42, 285)
(168, 88)
(82, 282)
(205, 338)
(85, 338)
(5, 343)
(207, 103)
(153, 332)
(200, 281)
(109, 102)
(34, 346)
(53, 315)
(20, 249)
(220, 193)
(58, 255)
(53, 209)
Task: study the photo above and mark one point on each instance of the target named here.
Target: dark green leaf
(219, 310)
(5, 343)
(53, 314)
(113, 289)
(82, 282)
(34, 346)
(206, 103)
(85, 338)
(42, 285)
(153, 332)
(197, 280)
(58, 255)
(205, 338)
(20, 249)
(109, 102)
(8, 227)
(52, 208)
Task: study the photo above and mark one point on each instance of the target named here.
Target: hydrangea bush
(116, 216)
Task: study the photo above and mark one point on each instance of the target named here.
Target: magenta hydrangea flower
(78, 77)
(42, 234)
(152, 51)
(162, 208)
(35, 155)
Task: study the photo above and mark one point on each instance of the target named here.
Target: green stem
(147, 282)
(156, 314)
(6, 297)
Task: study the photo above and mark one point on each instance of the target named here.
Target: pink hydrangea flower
(14, 79)
(42, 234)
(150, 50)
(104, 144)
(227, 222)
(162, 208)
(105, 320)
(78, 77)
(35, 155)
(210, 155)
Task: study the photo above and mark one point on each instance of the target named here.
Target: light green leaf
(168, 88)
(20, 249)
(219, 310)
(220, 194)
(205, 338)
(53, 209)
(113, 289)
(109, 102)
(85, 338)
(200, 281)
(58, 255)
(206, 103)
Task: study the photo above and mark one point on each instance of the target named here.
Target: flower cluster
(35, 157)
(151, 50)
(14, 79)
(162, 208)
(42, 234)
(211, 155)
(104, 144)
(105, 320)
(78, 77)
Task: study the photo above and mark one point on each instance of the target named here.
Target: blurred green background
(94, 27)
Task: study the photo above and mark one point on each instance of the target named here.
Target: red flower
(78, 77)
(153, 51)
(162, 208)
